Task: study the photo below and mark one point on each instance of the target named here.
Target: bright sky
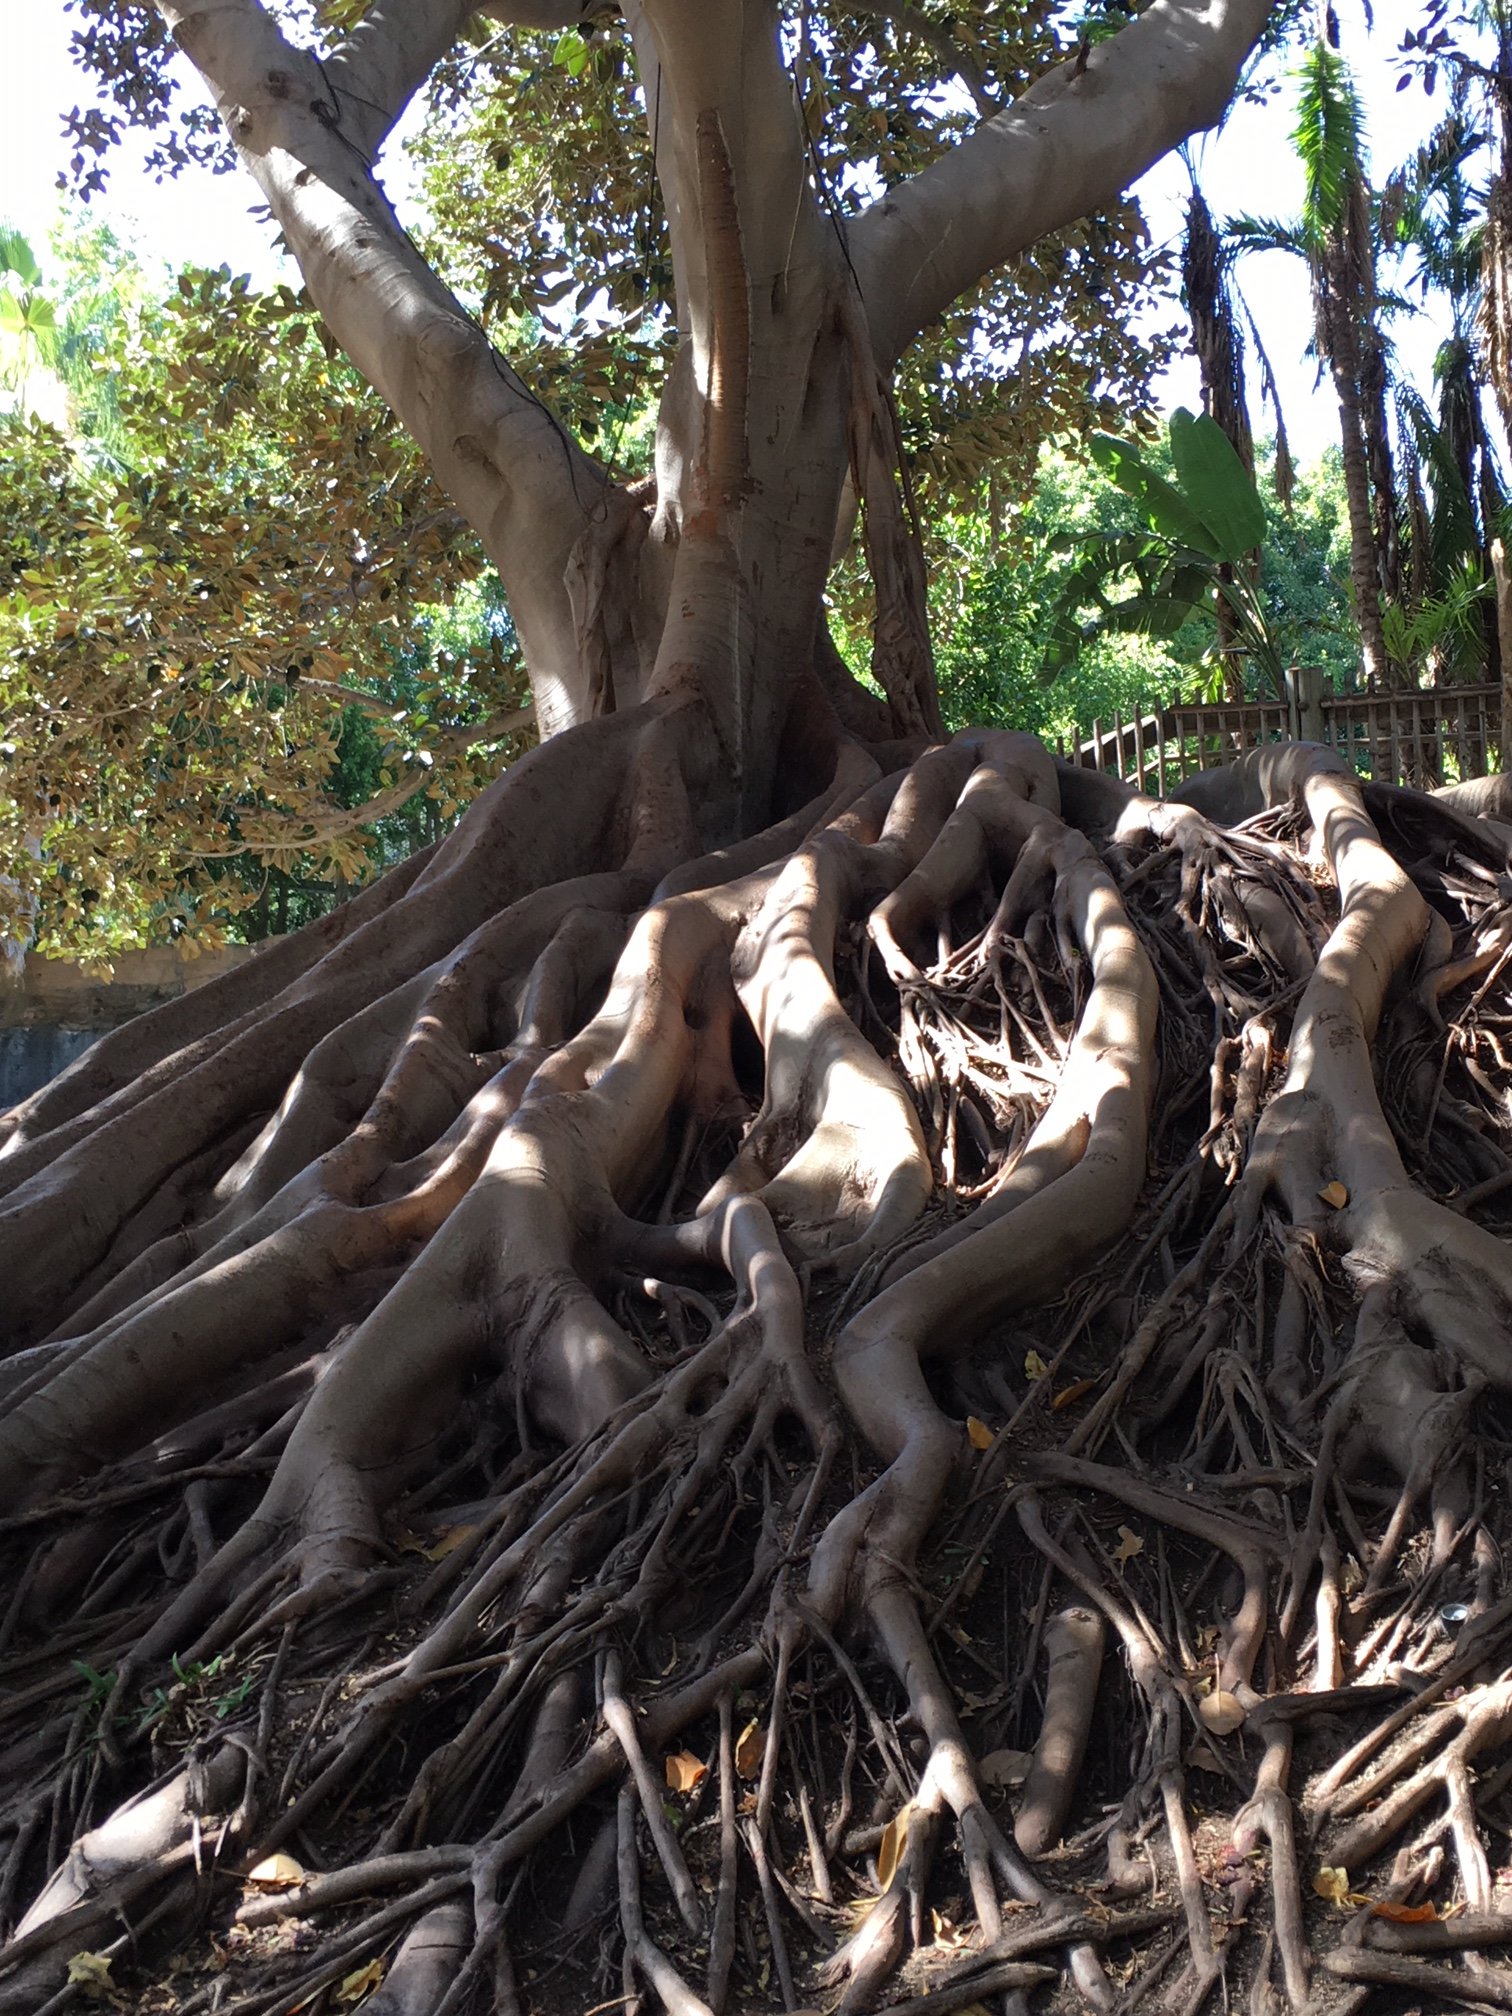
(1249, 166)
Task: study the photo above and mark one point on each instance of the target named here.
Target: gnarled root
(586, 1428)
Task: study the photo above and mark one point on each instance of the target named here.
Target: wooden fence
(1426, 739)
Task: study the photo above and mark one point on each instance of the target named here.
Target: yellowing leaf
(890, 1847)
(1334, 1195)
(276, 1872)
(448, 1542)
(685, 1772)
(1220, 1712)
(750, 1748)
(90, 1971)
(978, 1434)
(1129, 1544)
(1334, 1885)
(1069, 1395)
(1035, 1366)
(360, 1984)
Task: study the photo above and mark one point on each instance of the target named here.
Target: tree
(1336, 235)
(490, 1332)
(207, 635)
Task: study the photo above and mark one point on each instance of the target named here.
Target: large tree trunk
(481, 1405)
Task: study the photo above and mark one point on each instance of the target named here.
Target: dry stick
(1475, 1871)
(106, 1905)
(1440, 1935)
(1428, 1984)
(772, 1749)
(757, 1848)
(619, 1719)
(1004, 1978)
(359, 1879)
(1188, 1877)
(677, 1997)
(818, 1862)
(882, 1736)
(722, 1942)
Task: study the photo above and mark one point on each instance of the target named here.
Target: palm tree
(1335, 234)
(1218, 343)
(1452, 486)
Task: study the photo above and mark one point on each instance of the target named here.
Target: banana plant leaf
(1216, 485)
(1168, 512)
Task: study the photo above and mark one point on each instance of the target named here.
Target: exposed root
(580, 1421)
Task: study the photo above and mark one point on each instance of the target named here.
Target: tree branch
(302, 830)
(1071, 142)
(508, 463)
(910, 21)
(386, 58)
(397, 43)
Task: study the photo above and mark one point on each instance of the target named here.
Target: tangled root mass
(908, 1414)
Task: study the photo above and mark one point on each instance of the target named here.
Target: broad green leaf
(1167, 511)
(16, 256)
(1217, 485)
(1153, 615)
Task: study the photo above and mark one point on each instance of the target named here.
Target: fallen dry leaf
(1335, 1195)
(276, 1872)
(946, 1932)
(978, 1434)
(1002, 1768)
(1405, 1914)
(1035, 1366)
(685, 1772)
(361, 1984)
(1069, 1395)
(890, 1847)
(448, 1542)
(750, 1749)
(1220, 1712)
(1129, 1544)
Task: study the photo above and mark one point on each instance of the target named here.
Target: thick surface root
(903, 1414)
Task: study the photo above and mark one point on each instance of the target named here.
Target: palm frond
(1329, 136)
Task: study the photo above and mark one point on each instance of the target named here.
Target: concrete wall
(53, 1010)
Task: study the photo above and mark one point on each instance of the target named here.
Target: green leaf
(1167, 511)
(16, 256)
(1154, 615)
(1217, 485)
(571, 53)
(1329, 138)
